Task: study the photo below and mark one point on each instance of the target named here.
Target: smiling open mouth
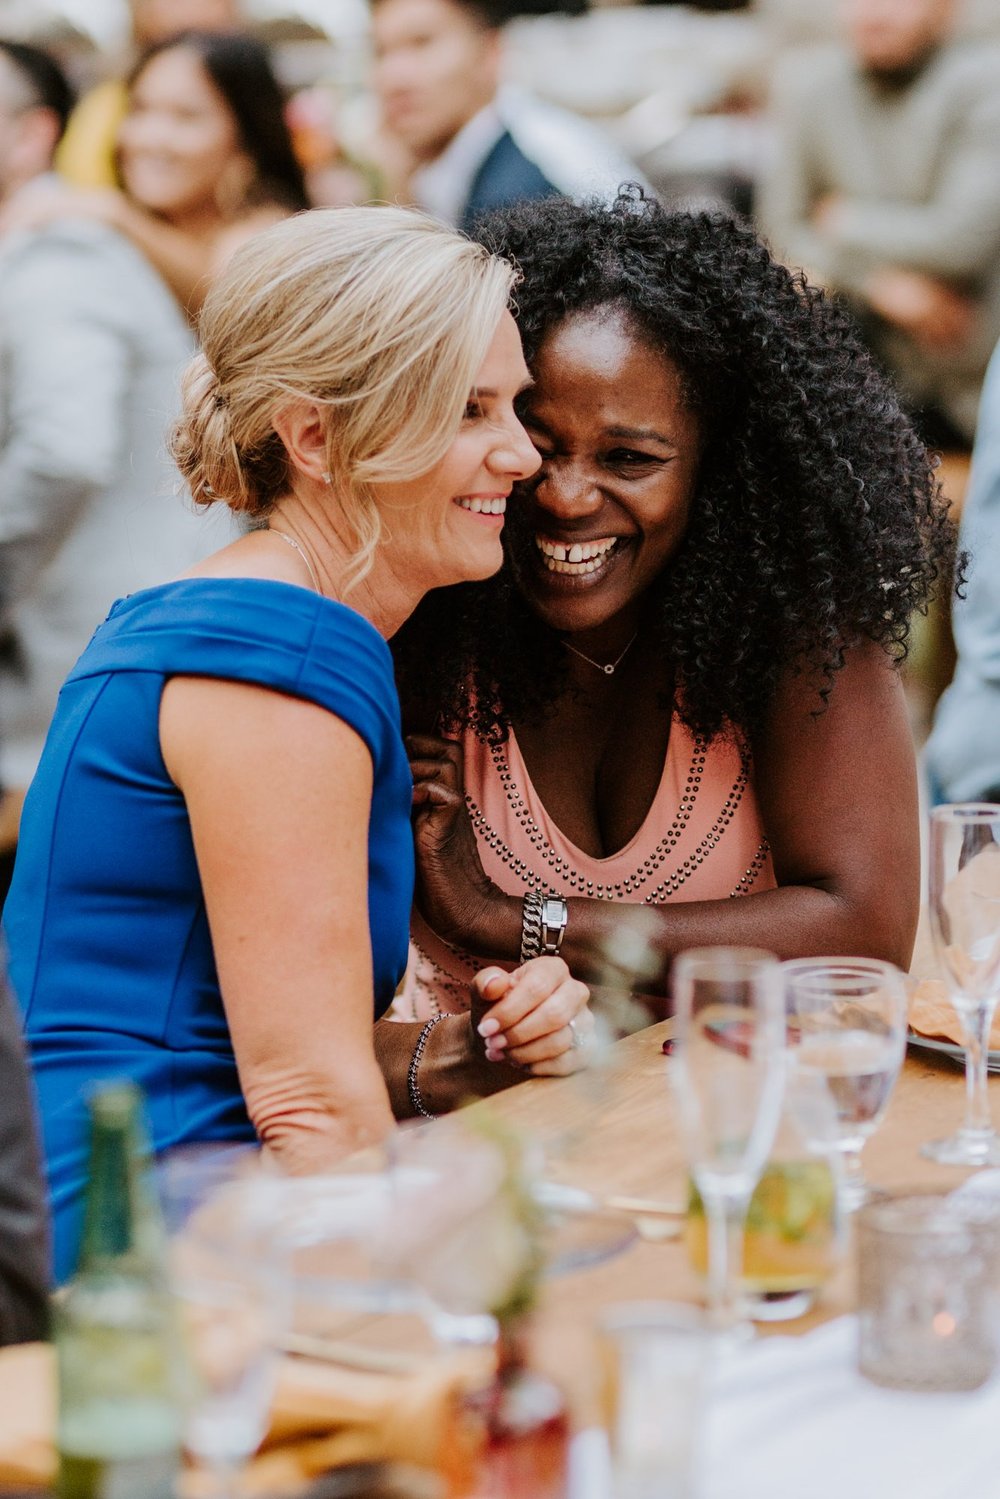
(577, 559)
(495, 506)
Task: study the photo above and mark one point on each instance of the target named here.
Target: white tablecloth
(791, 1418)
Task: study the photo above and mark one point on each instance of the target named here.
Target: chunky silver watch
(543, 922)
(555, 916)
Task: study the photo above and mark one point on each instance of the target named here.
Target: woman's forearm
(451, 1071)
(792, 921)
(184, 263)
(309, 1124)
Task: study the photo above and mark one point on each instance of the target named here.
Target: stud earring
(327, 479)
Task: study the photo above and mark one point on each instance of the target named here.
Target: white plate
(949, 1049)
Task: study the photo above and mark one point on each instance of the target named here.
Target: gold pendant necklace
(609, 668)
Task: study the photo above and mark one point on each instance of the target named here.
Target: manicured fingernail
(488, 1027)
(489, 979)
(498, 1043)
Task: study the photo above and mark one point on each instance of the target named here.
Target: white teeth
(577, 559)
(495, 506)
(573, 569)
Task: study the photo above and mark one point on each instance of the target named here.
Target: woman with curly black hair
(682, 687)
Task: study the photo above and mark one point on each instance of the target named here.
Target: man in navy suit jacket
(468, 145)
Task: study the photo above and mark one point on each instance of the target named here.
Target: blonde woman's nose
(516, 454)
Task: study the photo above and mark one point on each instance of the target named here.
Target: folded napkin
(933, 1014)
(323, 1416)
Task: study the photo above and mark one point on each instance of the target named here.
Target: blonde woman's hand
(536, 1018)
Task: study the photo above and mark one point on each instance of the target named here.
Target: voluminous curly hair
(816, 522)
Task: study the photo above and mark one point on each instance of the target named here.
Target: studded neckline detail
(631, 886)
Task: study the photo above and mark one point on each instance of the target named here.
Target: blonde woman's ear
(302, 427)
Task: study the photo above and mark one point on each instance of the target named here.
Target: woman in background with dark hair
(205, 159)
(93, 341)
(681, 688)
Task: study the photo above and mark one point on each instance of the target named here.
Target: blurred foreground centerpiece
(470, 1224)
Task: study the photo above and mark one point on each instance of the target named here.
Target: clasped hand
(536, 1017)
(524, 1018)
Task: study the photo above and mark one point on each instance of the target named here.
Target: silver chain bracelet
(412, 1086)
(531, 925)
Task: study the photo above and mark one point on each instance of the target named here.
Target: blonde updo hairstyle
(380, 316)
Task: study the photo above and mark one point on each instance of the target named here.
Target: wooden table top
(617, 1134)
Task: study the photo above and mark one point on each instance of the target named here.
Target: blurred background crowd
(863, 137)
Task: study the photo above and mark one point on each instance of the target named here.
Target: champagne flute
(851, 1015)
(728, 1076)
(964, 894)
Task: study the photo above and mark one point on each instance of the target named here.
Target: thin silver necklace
(609, 668)
(302, 553)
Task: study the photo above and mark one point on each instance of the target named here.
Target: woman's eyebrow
(641, 434)
(489, 393)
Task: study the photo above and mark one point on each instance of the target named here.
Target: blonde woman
(216, 865)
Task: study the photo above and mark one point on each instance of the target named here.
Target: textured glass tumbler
(929, 1292)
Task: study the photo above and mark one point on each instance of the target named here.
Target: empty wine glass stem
(726, 1224)
(853, 1187)
(977, 1022)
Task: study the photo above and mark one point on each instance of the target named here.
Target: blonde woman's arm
(278, 792)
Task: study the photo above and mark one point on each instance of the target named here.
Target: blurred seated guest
(86, 156)
(464, 145)
(24, 1218)
(963, 753)
(790, 21)
(216, 867)
(91, 347)
(681, 690)
(205, 159)
(885, 185)
(35, 101)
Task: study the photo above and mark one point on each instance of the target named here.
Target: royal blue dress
(109, 947)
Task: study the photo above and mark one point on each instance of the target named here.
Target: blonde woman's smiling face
(444, 527)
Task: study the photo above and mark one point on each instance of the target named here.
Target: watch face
(554, 918)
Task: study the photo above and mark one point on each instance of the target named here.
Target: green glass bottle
(117, 1346)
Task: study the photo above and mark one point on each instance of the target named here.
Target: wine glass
(964, 858)
(229, 1274)
(728, 1076)
(851, 1022)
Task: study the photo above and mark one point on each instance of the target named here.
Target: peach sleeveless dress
(702, 840)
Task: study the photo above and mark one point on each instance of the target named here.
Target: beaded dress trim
(552, 871)
(574, 883)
